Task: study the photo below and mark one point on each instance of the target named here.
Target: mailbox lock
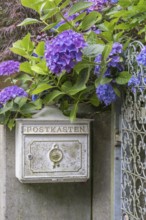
(56, 154)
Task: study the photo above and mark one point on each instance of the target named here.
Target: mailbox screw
(30, 157)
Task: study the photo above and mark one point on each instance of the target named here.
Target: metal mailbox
(49, 148)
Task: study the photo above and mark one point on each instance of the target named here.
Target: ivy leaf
(123, 78)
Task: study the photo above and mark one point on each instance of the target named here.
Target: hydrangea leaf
(93, 50)
(105, 80)
(74, 112)
(123, 77)
(40, 68)
(40, 49)
(28, 21)
(26, 67)
(40, 88)
(90, 20)
(79, 6)
(94, 100)
(64, 4)
(51, 12)
(52, 96)
(80, 66)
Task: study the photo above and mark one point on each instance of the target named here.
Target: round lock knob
(56, 155)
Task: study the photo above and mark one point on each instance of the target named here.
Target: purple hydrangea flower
(141, 58)
(64, 51)
(97, 67)
(11, 92)
(116, 49)
(9, 67)
(134, 82)
(114, 61)
(97, 5)
(114, 1)
(106, 94)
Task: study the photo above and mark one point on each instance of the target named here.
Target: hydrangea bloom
(114, 1)
(117, 48)
(97, 5)
(11, 92)
(133, 82)
(114, 59)
(97, 67)
(9, 67)
(64, 51)
(141, 58)
(106, 94)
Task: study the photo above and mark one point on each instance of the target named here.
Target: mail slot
(49, 148)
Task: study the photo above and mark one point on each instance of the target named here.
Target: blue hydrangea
(11, 92)
(114, 1)
(106, 94)
(117, 48)
(134, 82)
(9, 67)
(97, 67)
(141, 58)
(64, 51)
(97, 5)
(114, 60)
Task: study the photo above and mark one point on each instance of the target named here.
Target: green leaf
(116, 90)
(52, 96)
(49, 26)
(51, 12)
(26, 67)
(23, 47)
(33, 4)
(105, 80)
(90, 20)
(123, 78)
(79, 6)
(40, 49)
(65, 4)
(64, 27)
(74, 112)
(79, 85)
(93, 50)
(40, 88)
(20, 101)
(28, 21)
(92, 38)
(94, 100)
(28, 109)
(40, 68)
(81, 65)
(11, 123)
(38, 104)
(107, 51)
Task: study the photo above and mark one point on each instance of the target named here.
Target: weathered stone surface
(64, 201)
